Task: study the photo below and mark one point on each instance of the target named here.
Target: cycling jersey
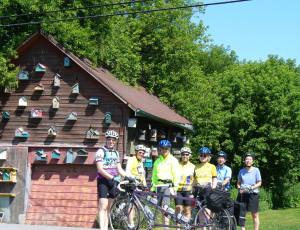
(187, 172)
(224, 172)
(249, 177)
(110, 160)
(136, 169)
(204, 173)
(165, 169)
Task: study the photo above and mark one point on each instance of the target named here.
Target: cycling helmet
(164, 144)
(140, 147)
(204, 150)
(185, 150)
(249, 155)
(112, 133)
(222, 154)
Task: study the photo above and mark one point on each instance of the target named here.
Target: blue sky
(256, 28)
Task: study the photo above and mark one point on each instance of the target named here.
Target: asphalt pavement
(36, 227)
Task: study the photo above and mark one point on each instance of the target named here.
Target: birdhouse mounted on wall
(40, 68)
(82, 153)
(55, 103)
(161, 134)
(39, 87)
(153, 135)
(72, 116)
(19, 132)
(3, 154)
(5, 115)
(142, 135)
(69, 157)
(67, 62)
(23, 102)
(23, 75)
(94, 101)
(107, 118)
(132, 122)
(7, 90)
(92, 134)
(75, 88)
(173, 137)
(52, 131)
(36, 113)
(56, 81)
(41, 155)
(55, 154)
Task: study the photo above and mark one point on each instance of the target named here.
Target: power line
(75, 8)
(123, 13)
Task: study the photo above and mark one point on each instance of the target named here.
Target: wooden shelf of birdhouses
(12, 195)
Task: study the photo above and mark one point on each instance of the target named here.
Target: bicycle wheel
(202, 219)
(124, 215)
(221, 220)
(233, 223)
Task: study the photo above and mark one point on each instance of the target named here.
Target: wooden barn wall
(17, 158)
(69, 134)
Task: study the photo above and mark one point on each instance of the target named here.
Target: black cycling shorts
(107, 188)
(251, 201)
(185, 194)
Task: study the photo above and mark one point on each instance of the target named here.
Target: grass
(277, 219)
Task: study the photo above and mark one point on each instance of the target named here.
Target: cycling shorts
(184, 194)
(107, 188)
(251, 201)
(163, 195)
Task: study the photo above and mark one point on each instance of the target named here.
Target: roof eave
(142, 113)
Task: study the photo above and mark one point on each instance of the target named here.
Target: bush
(292, 196)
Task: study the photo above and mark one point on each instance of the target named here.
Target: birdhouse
(161, 134)
(55, 154)
(67, 62)
(132, 122)
(153, 135)
(173, 137)
(7, 90)
(52, 131)
(69, 156)
(39, 87)
(40, 68)
(23, 75)
(5, 115)
(41, 155)
(72, 116)
(93, 101)
(23, 102)
(5, 175)
(142, 135)
(55, 103)
(36, 113)
(107, 118)
(13, 175)
(19, 132)
(75, 88)
(148, 163)
(56, 81)
(92, 134)
(82, 153)
(3, 154)
(185, 139)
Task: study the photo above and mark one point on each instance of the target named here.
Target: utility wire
(75, 8)
(123, 13)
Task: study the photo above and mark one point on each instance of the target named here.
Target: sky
(256, 28)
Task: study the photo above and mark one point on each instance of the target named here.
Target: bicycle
(138, 207)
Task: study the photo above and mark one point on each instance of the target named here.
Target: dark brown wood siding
(69, 134)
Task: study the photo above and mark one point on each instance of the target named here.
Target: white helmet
(185, 150)
(140, 147)
(112, 133)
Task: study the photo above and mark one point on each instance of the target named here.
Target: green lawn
(286, 219)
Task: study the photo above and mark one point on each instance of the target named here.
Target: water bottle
(182, 219)
(169, 212)
(152, 200)
(148, 212)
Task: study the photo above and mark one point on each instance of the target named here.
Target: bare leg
(255, 218)
(103, 213)
(178, 209)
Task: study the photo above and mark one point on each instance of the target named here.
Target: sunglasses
(185, 154)
(203, 155)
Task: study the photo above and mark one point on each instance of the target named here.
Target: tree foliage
(236, 107)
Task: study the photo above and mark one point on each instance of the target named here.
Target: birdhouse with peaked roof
(56, 80)
(75, 88)
(55, 154)
(23, 102)
(82, 153)
(67, 61)
(72, 116)
(41, 155)
(107, 118)
(52, 131)
(39, 87)
(69, 156)
(36, 113)
(3, 154)
(20, 132)
(40, 68)
(55, 103)
(5, 115)
(23, 75)
(92, 134)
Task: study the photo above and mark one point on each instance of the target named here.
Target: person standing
(249, 181)
(165, 175)
(187, 171)
(224, 172)
(108, 175)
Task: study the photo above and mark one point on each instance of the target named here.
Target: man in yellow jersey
(205, 173)
(187, 171)
(135, 167)
(165, 175)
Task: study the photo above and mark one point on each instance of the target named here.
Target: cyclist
(249, 181)
(205, 172)
(187, 171)
(108, 174)
(224, 172)
(165, 175)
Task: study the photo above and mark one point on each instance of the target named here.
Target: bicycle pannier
(216, 200)
(240, 213)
